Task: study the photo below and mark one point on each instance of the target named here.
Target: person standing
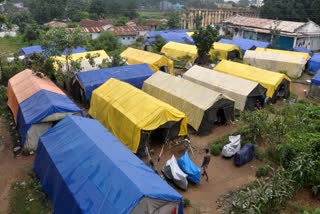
(205, 163)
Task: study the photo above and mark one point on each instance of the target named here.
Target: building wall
(211, 16)
(127, 40)
(312, 43)
(8, 33)
(95, 35)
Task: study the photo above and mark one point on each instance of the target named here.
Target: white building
(282, 34)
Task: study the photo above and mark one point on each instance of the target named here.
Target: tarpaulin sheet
(314, 63)
(223, 49)
(84, 169)
(305, 55)
(268, 79)
(25, 84)
(38, 49)
(303, 49)
(188, 167)
(133, 74)
(247, 44)
(180, 36)
(126, 111)
(236, 88)
(189, 97)
(177, 50)
(316, 78)
(39, 106)
(155, 61)
(98, 57)
(292, 65)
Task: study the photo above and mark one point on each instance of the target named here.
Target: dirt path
(224, 176)
(11, 169)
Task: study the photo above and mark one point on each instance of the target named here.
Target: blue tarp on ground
(179, 36)
(245, 155)
(316, 79)
(303, 49)
(314, 63)
(38, 49)
(132, 74)
(85, 169)
(245, 44)
(188, 167)
(39, 106)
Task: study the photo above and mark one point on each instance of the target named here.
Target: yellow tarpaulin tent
(177, 50)
(98, 56)
(223, 50)
(268, 79)
(292, 65)
(306, 56)
(126, 111)
(155, 61)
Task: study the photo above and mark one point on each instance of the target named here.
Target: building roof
(56, 24)
(267, 24)
(92, 29)
(92, 23)
(129, 30)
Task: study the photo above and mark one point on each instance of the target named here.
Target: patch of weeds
(260, 154)
(26, 197)
(216, 149)
(262, 171)
(186, 202)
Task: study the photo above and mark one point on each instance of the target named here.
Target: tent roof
(183, 94)
(276, 56)
(176, 50)
(250, 42)
(96, 172)
(133, 74)
(38, 49)
(316, 78)
(25, 84)
(268, 79)
(224, 47)
(305, 55)
(41, 105)
(77, 56)
(221, 80)
(117, 104)
(179, 36)
(303, 49)
(314, 63)
(155, 61)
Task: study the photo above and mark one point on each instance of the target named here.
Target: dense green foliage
(203, 39)
(158, 43)
(106, 41)
(294, 10)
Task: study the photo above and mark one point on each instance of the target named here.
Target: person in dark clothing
(205, 163)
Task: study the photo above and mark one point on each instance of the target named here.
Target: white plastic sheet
(231, 148)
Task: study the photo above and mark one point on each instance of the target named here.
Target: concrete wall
(127, 40)
(8, 33)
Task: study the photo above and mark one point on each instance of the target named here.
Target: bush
(262, 171)
(286, 154)
(186, 202)
(260, 154)
(216, 149)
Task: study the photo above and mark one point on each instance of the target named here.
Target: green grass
(11, 45)
(152, 15)
(27, 198)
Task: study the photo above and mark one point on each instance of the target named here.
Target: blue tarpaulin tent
(179, 36)
(85, 169)
(303, 49)
(316, 79)
(133, 74)
(40, 106)
(246, 44)
(38, 49)
(188, 167)
(314, 63)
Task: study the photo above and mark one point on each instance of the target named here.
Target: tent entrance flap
(233, 54)
(220, 113)
(256, 97)
(155, 206)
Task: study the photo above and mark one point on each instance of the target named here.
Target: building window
(123, 38)
(128, 38)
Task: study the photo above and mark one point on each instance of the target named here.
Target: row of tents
(82, 166)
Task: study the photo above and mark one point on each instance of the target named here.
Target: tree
(158, 43)
(45, 10)
(57, 40)
(204, 39)
(173, 21)
(98, 7)
(116, 60)
(244, 3)
(106, 41)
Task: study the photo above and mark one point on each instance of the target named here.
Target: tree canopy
(291, 10)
